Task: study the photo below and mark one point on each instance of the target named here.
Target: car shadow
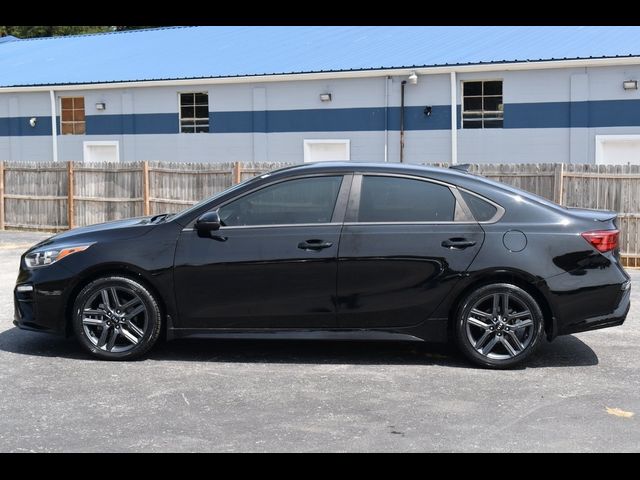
(566, 351)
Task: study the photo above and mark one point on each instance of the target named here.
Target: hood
(113, 230)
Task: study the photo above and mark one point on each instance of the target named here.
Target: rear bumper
(615, 318)
(590, 298)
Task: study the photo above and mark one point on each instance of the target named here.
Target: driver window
(304, 200)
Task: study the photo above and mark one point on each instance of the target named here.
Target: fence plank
(237, 173)
(145, 187)
(70, 194)
(1, 195)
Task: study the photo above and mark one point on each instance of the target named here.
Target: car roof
(441, 173)
(456, 176)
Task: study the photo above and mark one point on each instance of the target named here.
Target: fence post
(558, 183)
(237, 172)
(145, 187)
(1, 195)
(70, 195)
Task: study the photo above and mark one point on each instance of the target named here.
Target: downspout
(404, 82)
(54, 126)
(386, 119)
(454, 120)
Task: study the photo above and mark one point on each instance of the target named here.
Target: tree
(57, 31)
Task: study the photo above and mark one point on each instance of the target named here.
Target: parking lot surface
(578, 393)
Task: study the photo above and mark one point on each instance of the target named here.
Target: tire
(489, 338)
(122, 325)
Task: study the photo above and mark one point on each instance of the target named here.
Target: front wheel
(499, 325)
(116, 318)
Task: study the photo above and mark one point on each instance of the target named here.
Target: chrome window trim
(468, 215)
(275, 225)
(351, 224)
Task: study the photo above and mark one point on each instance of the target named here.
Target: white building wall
(575, 145)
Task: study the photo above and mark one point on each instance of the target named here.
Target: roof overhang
(342, 74)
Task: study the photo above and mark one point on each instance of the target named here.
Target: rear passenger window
(393, 199)
(482, 210)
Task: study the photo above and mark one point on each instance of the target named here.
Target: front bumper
(39, 298)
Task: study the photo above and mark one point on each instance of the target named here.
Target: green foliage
(57, 31)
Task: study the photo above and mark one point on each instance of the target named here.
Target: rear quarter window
(482, 210)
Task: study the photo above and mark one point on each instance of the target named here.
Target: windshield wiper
(160, 217)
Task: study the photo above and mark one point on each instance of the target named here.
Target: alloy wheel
(500, 326)
(115, 319)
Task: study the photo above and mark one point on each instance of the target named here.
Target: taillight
(602, 240)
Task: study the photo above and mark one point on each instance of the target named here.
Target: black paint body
(375, 279)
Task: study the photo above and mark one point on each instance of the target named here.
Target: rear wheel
(116, 318)
(499, 325)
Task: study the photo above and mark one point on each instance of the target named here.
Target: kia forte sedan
(335, 251)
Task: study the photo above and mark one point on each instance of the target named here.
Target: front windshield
(195, 207)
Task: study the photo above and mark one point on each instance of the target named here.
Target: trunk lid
(592, 214)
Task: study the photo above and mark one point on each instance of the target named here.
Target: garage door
(618, 149)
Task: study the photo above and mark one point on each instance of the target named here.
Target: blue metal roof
(224, 51)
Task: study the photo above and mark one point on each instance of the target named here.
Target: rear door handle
(314, 244)
(458, 243)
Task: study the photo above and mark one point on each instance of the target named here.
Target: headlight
(42, 258)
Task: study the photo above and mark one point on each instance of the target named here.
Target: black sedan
(335, 251)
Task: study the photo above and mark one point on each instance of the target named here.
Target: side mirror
(207, 223)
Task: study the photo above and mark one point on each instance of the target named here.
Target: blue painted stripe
(601, 113)
(591, 114)
(131, 124)
(20, 127)
(537, 115)
(329, 120)
(614, 113)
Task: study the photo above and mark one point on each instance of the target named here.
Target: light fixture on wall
(413, 78)
(630, 84)
(325, 97)
(101, 106)
(427, 110)
(33, 121)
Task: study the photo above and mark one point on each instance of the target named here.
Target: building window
(482, 104)
(72, 116)
(194, 112)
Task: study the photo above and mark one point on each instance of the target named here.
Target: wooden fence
(57, 196)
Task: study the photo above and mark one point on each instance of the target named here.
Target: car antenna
(462, 167)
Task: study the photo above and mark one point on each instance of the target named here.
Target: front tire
(498, 325)
(116, 318)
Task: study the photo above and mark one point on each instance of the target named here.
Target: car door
(272, 264)
(405, 243)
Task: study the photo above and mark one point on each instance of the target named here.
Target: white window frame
(308, 143)
(60, 110)
(99, 143)
(195, 119)
(462, 97)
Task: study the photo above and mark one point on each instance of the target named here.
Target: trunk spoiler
(592, 214)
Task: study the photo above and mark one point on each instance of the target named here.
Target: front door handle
(458, 243)
(314, 244)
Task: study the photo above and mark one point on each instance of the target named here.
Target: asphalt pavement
(578, 393)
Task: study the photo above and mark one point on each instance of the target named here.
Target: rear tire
(498, 325)
(116, 318)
